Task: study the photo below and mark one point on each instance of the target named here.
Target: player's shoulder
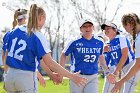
(98, 38)
(7, 33)
(138, 36)
(120, 36)
(39, 36)
(137, 40)
(73, 40)
(22, 28)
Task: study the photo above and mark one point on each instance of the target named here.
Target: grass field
(64, 87)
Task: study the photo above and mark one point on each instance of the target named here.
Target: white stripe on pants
(129, 86)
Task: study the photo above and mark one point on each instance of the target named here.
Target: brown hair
(135, 16)
(130, 18)
(18, 12)
(33, 15)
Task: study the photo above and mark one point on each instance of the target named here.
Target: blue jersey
(24, 50)
(107, 56)
(85, 54)
(116, 45)
(5, 40)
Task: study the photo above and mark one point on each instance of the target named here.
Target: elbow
(137, 64)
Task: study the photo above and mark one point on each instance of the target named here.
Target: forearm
(135, 68)
(55, 66)
(103, 62)
(3, 57)
(122, 61)
(62, 60)
(120, 64)
(45, 67)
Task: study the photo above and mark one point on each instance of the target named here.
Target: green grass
(64, 87)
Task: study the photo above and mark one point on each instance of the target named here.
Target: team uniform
(5, 40)
(116, 45)
(137, 43)
(110, 64)
(23, 53)
(84, 58)
(137, 49)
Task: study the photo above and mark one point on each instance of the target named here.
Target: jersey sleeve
(5, 41)
(137, 47)
(42, 45)
(123, 42)
(102, 49)
(102, 43)
(69, 48)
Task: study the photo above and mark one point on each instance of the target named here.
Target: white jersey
(137, 48)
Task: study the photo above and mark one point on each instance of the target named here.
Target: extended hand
(56, 78)
(42, 82)
(80, 81)
(111, 78)
(117, 86)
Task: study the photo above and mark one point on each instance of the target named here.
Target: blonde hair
(18, 12)
(35, 11)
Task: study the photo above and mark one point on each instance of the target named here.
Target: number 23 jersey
(85, 54)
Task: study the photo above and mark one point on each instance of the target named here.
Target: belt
(84, 73)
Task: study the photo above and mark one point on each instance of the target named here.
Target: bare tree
(95, 12)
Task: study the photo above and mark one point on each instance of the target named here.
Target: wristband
(107, 72)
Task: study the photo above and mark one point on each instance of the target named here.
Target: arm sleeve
(42, 46)
(101, 52)
(5, 41)
(69, 48)
(123, 42)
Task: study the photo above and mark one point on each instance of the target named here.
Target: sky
(127, 6)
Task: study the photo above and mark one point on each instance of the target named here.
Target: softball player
(24, 49)
(107, 85)
(20, 17)
(121, 55)
(85, 51)
(131, 23)
(18, 12)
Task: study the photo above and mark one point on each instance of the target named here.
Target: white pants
(19, 81)
(108, 86)
(90, 87)
(129, 86)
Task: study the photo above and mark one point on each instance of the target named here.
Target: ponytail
(15, 18)
(134, 32)
(32, 21)
(33, 15)
(18, 12)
